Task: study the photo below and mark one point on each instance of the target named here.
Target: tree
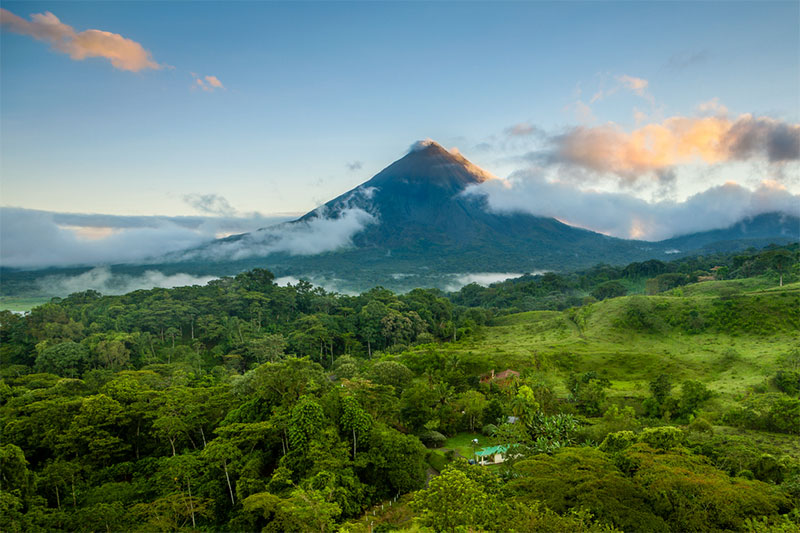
(693, 395)
(523, 405)
(397, 462)
(94, 432)
(453, 500)
(780, 261)
(472, 404)
(609, 289)
(222, 452)
(369, 322)
(587, 391)
(354, 419)
(304, 510)
(391, 373)
(661, 387)
(266, 348)
(112, 353)
(306, 420)
(68, 359)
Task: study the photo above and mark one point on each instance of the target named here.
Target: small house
(492, 455)
(504, 378)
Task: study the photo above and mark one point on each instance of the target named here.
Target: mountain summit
(411, 223)
(420, 211)
(427, 175)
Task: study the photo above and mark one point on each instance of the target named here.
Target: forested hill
(245, 406)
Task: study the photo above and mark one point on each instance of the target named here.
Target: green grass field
(19, 304)
(731, 341)
(462, 443)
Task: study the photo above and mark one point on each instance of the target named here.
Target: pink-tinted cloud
(207, 83)
(657, 147)
(637, 85)
(123, 53)
(214, 82)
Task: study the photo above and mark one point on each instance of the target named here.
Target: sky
(242, 113)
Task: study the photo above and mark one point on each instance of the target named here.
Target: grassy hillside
(728, 334)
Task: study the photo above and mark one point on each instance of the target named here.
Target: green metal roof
(492, 450)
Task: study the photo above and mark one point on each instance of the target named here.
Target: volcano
(417, 223)
(417, 217)
(419, 204)
(417, 220)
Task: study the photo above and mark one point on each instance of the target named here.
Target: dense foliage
(244, 406)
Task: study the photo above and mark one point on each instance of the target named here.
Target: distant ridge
(758, 231)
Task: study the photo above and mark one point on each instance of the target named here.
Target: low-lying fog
(103, 280)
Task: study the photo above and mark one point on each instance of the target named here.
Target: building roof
(502, 448)
(501, 377)
(505, 374)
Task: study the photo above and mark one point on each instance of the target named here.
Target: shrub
(437, 461)
(488, 430)
(787, 381)
(433, 439)
(615, 442)
(665, 438)
(701, 425)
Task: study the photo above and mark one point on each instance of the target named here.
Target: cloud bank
(123, 53)
(626, 216)
(101, 279)
(306, 237)
(654, 149)
(32, 239)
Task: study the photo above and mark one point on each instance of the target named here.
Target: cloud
(214, 82)
(421, 145)
(123, 53)
(655, 148)
(311, 236)
(626, 216)
(355, 165)
(210, 204)
(33, 239)
(103, 280)
(455, 281)
(523, 129)
(712, 107)
(637, 85)
(207, 83)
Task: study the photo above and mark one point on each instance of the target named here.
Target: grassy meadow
(730, 335)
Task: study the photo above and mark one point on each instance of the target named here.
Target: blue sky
(318, 97)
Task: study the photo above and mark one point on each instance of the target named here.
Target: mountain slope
(419, 209)
(758, 231)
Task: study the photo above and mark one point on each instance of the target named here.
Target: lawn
(462, 443)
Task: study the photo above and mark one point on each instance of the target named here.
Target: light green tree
(453, 500)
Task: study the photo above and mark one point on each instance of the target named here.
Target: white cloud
(210, 204)
(626, 216)
(102, 279)
(31, 238)
(305, 237)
